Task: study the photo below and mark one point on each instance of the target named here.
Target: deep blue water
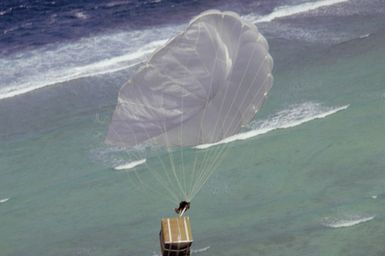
(30, 24)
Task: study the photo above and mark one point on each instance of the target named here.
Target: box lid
(176, 230)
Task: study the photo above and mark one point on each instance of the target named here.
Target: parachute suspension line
(219, 151)
(172, 193)
(206, 156)
(195, 165)
(171, 179)
(166, 183)
(145, 186)
(172, 163)
(201, 170)
(264, 82)
(174, 176)
(215, 165)
(161, 181)
(189, 197)
(181, 149)
(243, 100)
(209, 165)
(207, 169)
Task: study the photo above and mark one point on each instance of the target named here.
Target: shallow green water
(273, 194)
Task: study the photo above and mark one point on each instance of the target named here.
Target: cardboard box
(175, 236)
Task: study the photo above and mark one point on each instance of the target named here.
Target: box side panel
(188, 229)
(166, 230)
(175, 233)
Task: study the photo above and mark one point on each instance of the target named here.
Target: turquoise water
(284, 192)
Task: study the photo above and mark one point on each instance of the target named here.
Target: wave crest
(347, 221)
(291, 117)
(289, 10)
(3, 200)
(130, 165)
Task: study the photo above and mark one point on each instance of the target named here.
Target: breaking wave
(200, 250)
(3, 200)
(364, 36)
(42, 76)
(118, 158)
(294, 116)
(80, 15)
(346, 222)
(34, 69)
(130, 165)
(289, 10)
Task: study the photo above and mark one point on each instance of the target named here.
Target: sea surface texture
(305, 178)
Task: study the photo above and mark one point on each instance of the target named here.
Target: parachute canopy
(201, 87)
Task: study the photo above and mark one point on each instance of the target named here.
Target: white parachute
(203, 86)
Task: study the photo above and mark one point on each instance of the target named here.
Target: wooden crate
(175, 236)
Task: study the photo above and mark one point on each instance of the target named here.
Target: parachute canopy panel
(201, 87)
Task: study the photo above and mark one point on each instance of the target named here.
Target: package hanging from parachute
(202, 87)
(175, 236)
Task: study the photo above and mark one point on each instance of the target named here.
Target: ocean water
(307, 177)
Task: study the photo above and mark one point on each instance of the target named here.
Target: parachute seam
(205, 109)
(204, 162)
(205, 159)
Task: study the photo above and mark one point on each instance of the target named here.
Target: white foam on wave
(130, 165)
(291, 117)
(364, 36)
(204, 249)
(346, 222)
(4, 200)
(289, 10)
(80, 15)
(49, 77)
(34, 69)
(30, 70)
(117, 3)
(6, 11)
